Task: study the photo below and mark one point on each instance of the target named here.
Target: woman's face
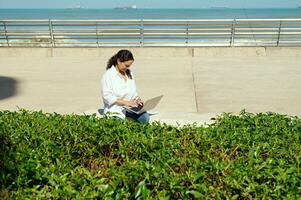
(123, 66)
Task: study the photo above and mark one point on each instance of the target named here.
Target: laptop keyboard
(137, 108)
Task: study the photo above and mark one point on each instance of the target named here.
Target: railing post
(141, 33)
(279, 32)
(187, 25)
(232, 33)
(5, 32)
(97, 34)
(51, 34)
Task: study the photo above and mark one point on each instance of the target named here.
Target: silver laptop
(148, 105)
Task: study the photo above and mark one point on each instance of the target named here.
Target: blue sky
(149, 3)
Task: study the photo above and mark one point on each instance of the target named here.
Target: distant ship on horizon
(77, 7)
(219, 7)
(126, 7)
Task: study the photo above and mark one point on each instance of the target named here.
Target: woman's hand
(126, 103)
(131, 104)
(139, 101)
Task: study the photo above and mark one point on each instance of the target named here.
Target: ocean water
(208, 13)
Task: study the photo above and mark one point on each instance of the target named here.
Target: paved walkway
(197, 83)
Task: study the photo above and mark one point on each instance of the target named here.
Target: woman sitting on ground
(119, 88)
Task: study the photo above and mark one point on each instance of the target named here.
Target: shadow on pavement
(7, 87)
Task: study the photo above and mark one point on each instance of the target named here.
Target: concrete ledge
(149, 52)
(25, 52)
(283, 51)
(229, 51)
(75, 52)
(162, 52)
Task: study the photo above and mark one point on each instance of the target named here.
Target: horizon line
(212, 7)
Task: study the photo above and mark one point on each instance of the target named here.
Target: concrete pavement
(197, 83)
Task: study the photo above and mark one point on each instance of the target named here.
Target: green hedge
(52, 156)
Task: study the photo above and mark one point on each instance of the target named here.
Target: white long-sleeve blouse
(113, 87)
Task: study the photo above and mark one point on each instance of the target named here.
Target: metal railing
(140, 33)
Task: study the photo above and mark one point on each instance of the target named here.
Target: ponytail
(112, 61)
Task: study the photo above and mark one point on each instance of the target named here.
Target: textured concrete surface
(197, 83)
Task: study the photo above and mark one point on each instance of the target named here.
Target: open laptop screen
(148, 105)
